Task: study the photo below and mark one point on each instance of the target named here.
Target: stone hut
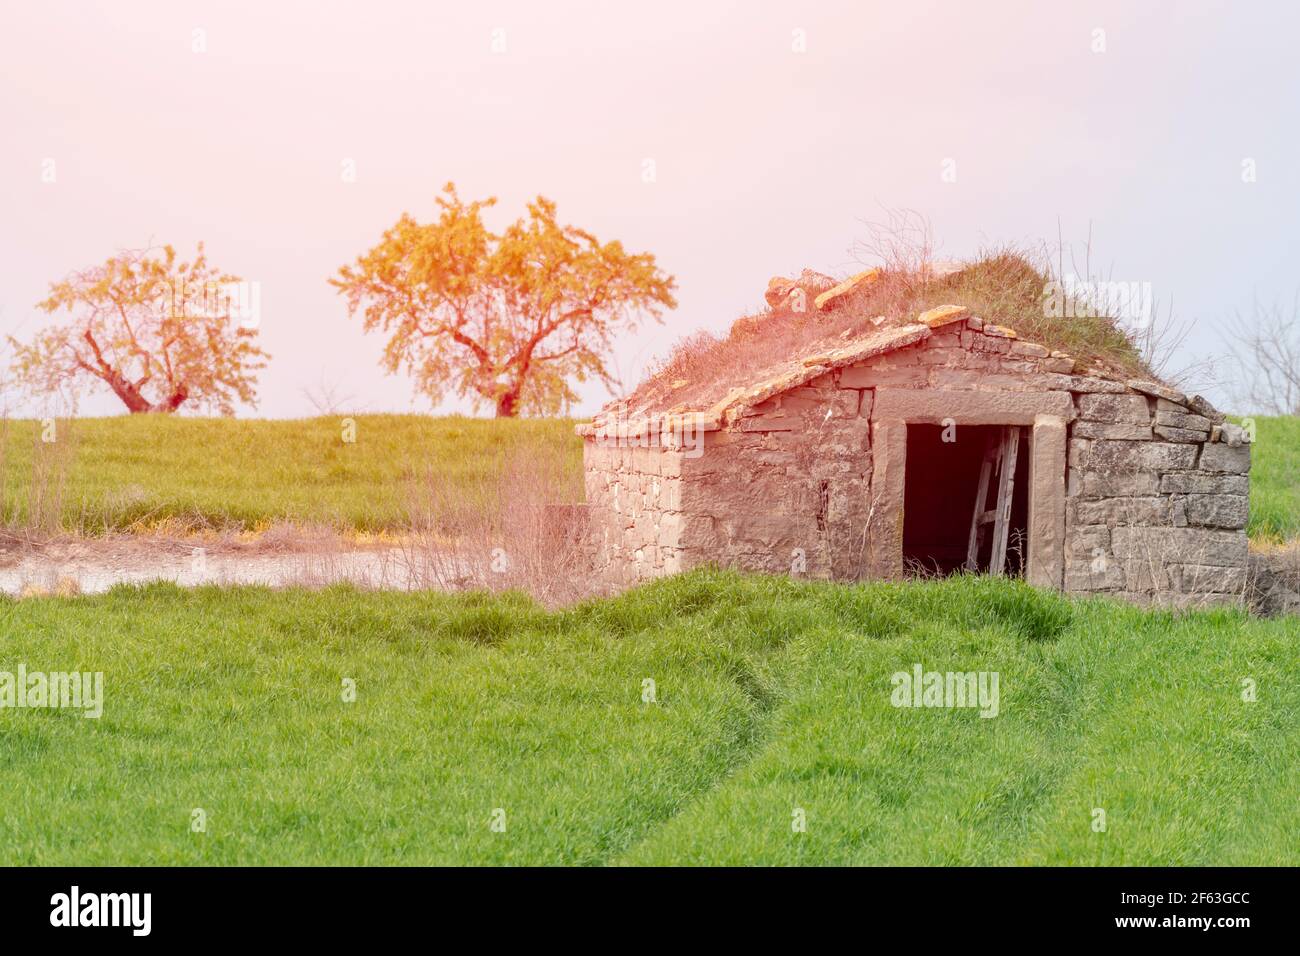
(927, 447)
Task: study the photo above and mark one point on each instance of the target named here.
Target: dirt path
(92, 566)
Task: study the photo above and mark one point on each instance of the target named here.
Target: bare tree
(328, 397)
(1266, 353)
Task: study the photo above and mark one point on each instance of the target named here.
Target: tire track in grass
(229, 699)
(1187, 772)
(1135, 710)
(766, 623)
(884, 785)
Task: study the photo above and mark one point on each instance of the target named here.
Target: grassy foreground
(771, 697)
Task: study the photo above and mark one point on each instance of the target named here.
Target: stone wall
(1155, 492)
(785, 486)
(1158, 498)
(633, 510)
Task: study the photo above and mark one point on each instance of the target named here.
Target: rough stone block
(1166, 415)
(982, 360)
(777, 535)
(1084, 541)
(1121, 431)
(899, 358)
(670, 528)
(866, 377)
(1203, 483)
(670, 495)
(1224, 459)
(1164, 546)
(1031, 349)
(838, 294)
(1089, 384)
(1156, 390)
(774, 459)
(1097, 573)
(1117, 456)
(1230, 434)
(1186, 435)
(943, 315)
(955, 358)
(700, 531)
(1111, 484)
(670, 464)
(1201, 407)
(987, 343)
(1218, 511)
(1201, 579)
(1182, 420)
(1125, 511)
(1114, 408)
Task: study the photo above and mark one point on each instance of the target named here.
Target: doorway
(945, 470)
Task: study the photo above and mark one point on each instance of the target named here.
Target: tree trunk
(137, 404)
(174, 402)
(508, 404)
(128, 391)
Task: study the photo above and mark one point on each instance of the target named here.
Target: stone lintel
(934, 406)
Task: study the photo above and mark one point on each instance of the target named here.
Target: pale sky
(766, 159)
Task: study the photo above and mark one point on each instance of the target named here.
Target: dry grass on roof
(1003, 288)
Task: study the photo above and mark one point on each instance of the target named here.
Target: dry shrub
(288, 537)
(32, 511)
(1274, 578)
(522, 529)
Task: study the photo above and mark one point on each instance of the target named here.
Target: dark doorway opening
(942, 482)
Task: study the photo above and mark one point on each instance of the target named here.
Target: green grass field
(135, 471)
(1275, 479)
(236, 474)
(772, 696)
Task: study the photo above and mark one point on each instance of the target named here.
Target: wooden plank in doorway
(979, 518)
(1008, 454)
(1000, 458)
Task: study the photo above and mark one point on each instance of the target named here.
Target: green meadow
(712, 718)
(138, 472)
(354, 473)
(1275, 479)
